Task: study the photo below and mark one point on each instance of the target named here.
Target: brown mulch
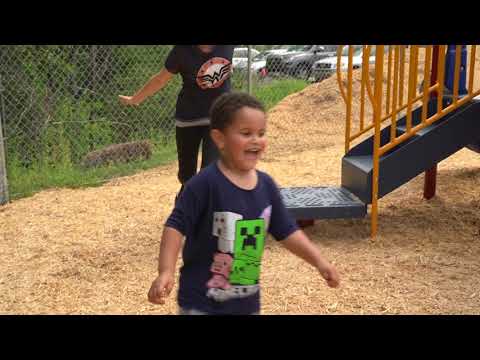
(94, 250)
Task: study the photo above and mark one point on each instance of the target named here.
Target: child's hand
(127, 100)
(161, 288)
(330, 274)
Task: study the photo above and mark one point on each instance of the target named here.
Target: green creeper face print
(249, 239)
(248, 251)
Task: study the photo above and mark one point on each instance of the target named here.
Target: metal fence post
(3, 165)
(249, 69)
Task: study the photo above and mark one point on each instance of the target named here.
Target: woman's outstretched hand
(127, 100)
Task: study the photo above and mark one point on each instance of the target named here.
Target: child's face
(243, 142)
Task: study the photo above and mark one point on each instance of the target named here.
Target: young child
(225, 213)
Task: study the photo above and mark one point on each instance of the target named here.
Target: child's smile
(244, 140)
(253, 154)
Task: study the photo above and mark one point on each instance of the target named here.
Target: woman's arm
(156, 83)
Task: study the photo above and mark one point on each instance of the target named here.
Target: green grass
(26, 182)
(272, 93)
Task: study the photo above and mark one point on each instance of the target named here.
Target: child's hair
(225, 107)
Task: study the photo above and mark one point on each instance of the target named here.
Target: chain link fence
(63, 124)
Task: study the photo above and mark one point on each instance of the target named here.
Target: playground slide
(458, 129)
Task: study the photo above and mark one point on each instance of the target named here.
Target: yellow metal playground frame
(395, 99)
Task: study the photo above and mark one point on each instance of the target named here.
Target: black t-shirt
(225, 230)
(205, 77)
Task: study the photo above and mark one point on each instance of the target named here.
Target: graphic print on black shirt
(236, 267)
(213, 73)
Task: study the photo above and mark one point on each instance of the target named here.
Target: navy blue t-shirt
(205, 77)
(225, 229)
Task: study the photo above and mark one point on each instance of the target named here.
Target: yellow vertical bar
(393, 127)
(441, 76)
(456, 78)
(344, 96)
(349, 98)
(415, 71)
(471, 71)
(411, 84)
(376, 142)
(426, 82)
(389, 80)
(365, 66)
(402, 74)
(339, 73)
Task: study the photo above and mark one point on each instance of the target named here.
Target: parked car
(276, 62)
(240, 56)
(257, 66)
(324, 68)
(300, 65)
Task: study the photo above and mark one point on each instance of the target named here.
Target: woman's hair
(226, 106)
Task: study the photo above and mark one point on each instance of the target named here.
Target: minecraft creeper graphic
(248, 251)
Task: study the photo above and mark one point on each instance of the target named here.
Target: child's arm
(299, 244)
(156, 83)
(167, 260)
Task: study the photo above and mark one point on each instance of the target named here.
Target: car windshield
(320, 48)
(330, 47)
(259, 57)
(299, 47)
